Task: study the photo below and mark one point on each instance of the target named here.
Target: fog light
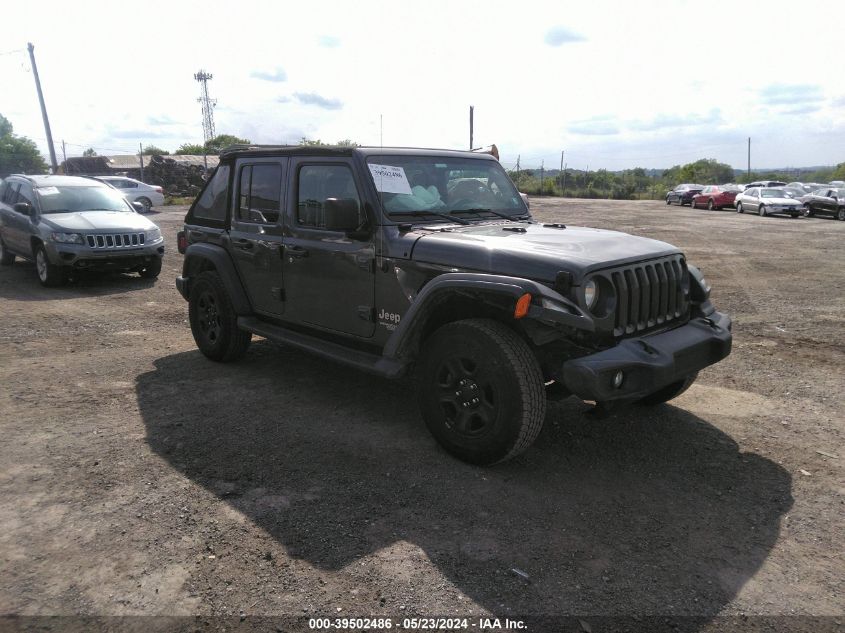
(618, 378)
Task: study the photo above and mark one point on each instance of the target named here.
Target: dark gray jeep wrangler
(393, 259)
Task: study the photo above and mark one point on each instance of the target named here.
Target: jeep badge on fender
(393, 260)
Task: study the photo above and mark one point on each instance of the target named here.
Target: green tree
(190, 148)
(18, 154)
(149, 150)
(221, 141)
(89, 152)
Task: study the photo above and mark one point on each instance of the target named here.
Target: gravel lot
(138, 478)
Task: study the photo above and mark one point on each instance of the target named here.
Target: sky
(612, 84)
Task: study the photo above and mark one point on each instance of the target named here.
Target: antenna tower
(207, 105)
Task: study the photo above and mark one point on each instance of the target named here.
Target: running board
(364, 361)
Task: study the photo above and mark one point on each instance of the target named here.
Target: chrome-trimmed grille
(650, 294)
(115, 240)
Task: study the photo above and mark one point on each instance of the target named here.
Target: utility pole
(562, 193)
(141, 158)
(517, 170)
(43, 108)
(471, 110)
(749, 157)
(64, 157)
(561, 172)
(542, 173)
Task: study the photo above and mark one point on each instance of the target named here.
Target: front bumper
(82, 257)
(650, 362)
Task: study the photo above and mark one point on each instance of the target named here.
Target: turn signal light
(522, 305)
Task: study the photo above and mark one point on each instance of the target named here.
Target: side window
(211, 204)
(318, 183)
(128, 184)
(10, 196)
(260, 193)
(25, 194)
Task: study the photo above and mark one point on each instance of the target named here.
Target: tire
(147, 204)
(483, 357)
(669, 391)
(808, 212)
(710, 205)
(794, 215)
(668, 201)
(152, 270)
(48, 274)
(7, 258)
(214, 323)
(840, 214)
(739, 207)
(762, 211)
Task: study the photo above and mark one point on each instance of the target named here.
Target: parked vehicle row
(148, 196)
(765, 197)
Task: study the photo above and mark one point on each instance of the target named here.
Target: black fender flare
(222, 262)
(430, 295)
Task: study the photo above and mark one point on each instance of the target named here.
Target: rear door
(255, 237)
(329, 275)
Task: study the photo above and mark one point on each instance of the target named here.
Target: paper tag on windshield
(48, 191)
(390, 179)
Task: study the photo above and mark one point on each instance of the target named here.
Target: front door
(329, 275)
(256, 231)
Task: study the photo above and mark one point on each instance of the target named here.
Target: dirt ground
(138, 478)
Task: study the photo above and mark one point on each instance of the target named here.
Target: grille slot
(650, 294)
(116, 240)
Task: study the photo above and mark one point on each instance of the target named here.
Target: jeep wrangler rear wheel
(481, 391)
(214, 323)
(669, 391)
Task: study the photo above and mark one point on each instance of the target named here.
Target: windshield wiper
(440, 214)
(513, 218)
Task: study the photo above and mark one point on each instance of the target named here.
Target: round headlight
(591, 293)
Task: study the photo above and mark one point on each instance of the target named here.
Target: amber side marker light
(522, 305)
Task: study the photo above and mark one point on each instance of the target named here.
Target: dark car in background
(682, 194)
(715, 197)
(826, 201)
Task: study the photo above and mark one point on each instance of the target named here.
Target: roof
(333, 150)
(60, 181)
(186, 159)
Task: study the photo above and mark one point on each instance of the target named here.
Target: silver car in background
(148, 196)
(767, 201)
(68, 223)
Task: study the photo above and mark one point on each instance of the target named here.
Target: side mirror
(23, 208)
(341, 214)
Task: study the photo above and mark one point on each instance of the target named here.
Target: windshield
(773, 193)
(71, 199)
(417, 184)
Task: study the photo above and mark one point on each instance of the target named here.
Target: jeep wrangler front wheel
(214, 323)
(481, 391)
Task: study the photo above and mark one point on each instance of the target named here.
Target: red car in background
(715, 197)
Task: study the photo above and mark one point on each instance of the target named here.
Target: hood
(784, 201)
(97, 221)
(540, 252)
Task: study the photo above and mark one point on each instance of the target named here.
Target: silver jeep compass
(71, 223)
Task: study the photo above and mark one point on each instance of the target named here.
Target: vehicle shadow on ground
(649, 511)
(20, 282)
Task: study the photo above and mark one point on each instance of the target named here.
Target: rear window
(213, 202)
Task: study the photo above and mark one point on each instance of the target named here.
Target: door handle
(296, 251)
(245, 245)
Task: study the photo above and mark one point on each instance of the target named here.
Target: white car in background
(148, 196)
(767, 201)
